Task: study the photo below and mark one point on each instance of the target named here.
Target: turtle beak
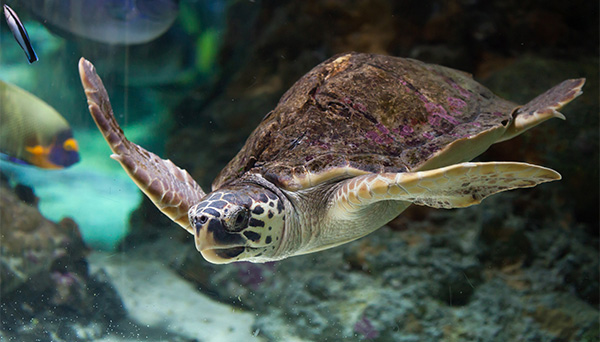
(222, 255)
(216, 245)
(204, 240)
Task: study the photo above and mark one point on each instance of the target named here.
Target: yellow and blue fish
(32, 132)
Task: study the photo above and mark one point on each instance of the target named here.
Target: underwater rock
(504, 240)
(161, 306)
(31, 244)
(45, 289)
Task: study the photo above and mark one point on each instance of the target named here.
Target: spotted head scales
(352, 144)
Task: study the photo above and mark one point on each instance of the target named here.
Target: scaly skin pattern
(246, 221)
(348, 148)
(544, 107)
(170, 188)
(362, 204)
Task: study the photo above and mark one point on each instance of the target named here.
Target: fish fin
(14, 160)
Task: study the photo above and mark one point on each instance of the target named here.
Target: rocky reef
(46, 291)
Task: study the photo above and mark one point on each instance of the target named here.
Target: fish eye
(70, 145)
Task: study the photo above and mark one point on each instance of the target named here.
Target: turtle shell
(360, 113)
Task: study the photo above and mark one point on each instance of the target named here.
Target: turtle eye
(199, 221)
(238, 221)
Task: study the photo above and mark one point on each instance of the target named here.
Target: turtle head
(238, 224)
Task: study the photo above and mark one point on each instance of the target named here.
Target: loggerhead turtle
(350, 146)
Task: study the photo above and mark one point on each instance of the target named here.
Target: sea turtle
(350, 146)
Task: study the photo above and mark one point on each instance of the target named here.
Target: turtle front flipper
(455, 186)
(170, 188)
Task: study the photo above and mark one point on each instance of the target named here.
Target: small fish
(20, 33)
(32, 132)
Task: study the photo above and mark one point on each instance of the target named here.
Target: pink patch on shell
(456, 105)
(462, 91)
(427, 135)
(379, 139)
(434, 120)
(403, 82)
(406, 131)
(382, 128)
(408, 89)
(360, 107)
(451, 120)
(436, 110)
(372, 135)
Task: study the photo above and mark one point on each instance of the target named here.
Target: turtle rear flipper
(543, 107)
(170, 188)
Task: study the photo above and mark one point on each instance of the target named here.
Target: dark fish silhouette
(20, 33)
